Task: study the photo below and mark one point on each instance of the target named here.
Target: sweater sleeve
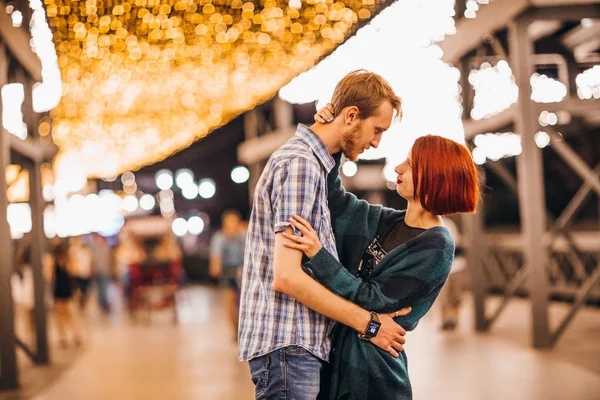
(393, 289)
(347, 211)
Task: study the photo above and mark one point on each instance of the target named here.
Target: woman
(389, 259)
(63, 296)
(80, 268)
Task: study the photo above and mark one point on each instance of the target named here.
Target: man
(227, 258)
(102, 265)
(285, 315)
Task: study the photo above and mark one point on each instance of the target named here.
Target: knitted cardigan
(410, 275)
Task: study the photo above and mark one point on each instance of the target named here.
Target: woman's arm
(406, 277)
(389, 291)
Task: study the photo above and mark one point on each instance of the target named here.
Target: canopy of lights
(143, 79)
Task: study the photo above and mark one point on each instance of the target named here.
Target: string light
(195, 225)
(180, 227)
(13, 96)
(240, 174)
(349, 168)
(588, 83)
(207, 188)
(145, 78)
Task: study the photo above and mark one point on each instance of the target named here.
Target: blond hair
(366, 91)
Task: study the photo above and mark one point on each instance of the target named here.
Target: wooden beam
(574, 105)
(469, 32)
(17, 40)
(492, 124)
(564, 11)
(31, 148)
(261, 148)
(548, 3)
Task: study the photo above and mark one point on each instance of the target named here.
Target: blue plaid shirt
(294, 181)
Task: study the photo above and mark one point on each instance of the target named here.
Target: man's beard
(350, 143)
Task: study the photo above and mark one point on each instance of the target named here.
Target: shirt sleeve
(216, 245)
(294, 192)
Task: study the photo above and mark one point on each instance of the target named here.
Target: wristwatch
(372, 327)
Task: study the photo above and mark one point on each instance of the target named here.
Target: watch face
(373, 328)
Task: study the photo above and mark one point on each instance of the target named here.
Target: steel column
(475, 247)
(531, 184)
(8, 357)
(38, 244)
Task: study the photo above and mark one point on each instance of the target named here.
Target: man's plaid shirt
(294, 181)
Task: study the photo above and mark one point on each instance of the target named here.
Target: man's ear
(350, 114)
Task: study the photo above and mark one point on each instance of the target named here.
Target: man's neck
(329, 134)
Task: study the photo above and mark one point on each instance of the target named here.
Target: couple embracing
(332, 283)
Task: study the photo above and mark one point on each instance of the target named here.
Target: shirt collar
(317, 146)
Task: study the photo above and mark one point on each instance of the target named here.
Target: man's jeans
(290, 373)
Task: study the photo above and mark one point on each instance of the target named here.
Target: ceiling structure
(146, 78)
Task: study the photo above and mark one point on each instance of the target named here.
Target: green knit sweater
(410, 275)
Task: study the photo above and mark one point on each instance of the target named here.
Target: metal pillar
(474, 253)
(8, 357)
(531, 184)
(38, 244)
(251, 132)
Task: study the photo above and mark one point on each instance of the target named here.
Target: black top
(62, 283)
(383, 244)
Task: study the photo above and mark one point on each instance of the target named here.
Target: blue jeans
(103, 282)
(290, 373)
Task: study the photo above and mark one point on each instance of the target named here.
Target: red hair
(445, 176)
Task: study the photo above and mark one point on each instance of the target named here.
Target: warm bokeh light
(349, 168)
(164, 179)
(184, 178)
(147, 202)
(207, 188)
(145, 78)
(13, 96)
(588, 83)
(180, 227)
(195, 225)
(240, 174)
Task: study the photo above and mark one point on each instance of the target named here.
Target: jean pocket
(259, 370)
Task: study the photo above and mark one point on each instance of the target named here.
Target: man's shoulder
(217, 238)
(294, 153)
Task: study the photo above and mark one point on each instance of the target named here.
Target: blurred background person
(62, 283)
(167, 249)
(23, 290)
(227, 259)
(80, 268)
(129, 251)
(102, 266)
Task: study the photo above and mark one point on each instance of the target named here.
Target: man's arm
(214, 266)
(289, 278)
